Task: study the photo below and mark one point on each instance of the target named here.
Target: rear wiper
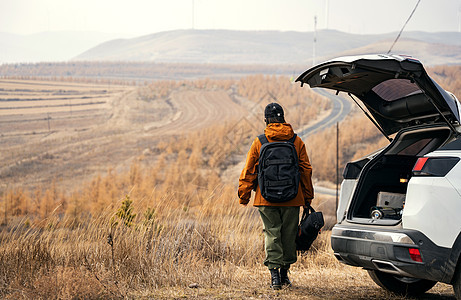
(371, 119)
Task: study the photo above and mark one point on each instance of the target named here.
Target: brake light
(420, 164)
(434, 166)
(415, 254)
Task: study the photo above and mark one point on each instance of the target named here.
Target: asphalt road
(341, 108)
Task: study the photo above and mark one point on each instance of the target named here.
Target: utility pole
(459, 18)
(326, 13)
(6, 207)
(337, 165)
(193, 14)
(48, 118)
(315, 40)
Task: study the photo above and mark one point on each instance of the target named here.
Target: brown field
(112, 191)
(41, 124)
(70, 132)
(91, 128)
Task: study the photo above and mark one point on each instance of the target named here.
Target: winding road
(341, 107)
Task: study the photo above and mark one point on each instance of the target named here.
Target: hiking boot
(275, 279)
(284, 280)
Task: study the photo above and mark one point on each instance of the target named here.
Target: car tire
(404, 286)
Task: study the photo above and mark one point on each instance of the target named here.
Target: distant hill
(224, 47)
(428, 53)
(50, 46)
(272, 47)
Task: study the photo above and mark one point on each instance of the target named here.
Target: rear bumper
(388, 251)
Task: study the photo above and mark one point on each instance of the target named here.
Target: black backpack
(278, 170)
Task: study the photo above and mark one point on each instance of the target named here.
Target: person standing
(279, 212)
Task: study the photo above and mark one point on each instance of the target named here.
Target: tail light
(434, 166)
(415, 255)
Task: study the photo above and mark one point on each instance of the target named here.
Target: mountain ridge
(265, 47)
(219, 46)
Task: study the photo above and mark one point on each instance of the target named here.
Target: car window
(394, 89)
(414, 148)
(454, 145)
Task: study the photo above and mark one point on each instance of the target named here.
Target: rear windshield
(415, 148)
(394, 89)
(419, 142)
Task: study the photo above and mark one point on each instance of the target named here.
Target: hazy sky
(140, 17)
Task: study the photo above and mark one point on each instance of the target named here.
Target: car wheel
(401, 285)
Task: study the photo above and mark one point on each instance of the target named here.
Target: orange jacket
(249, 175)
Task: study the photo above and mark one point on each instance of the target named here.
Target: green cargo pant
(280, 228)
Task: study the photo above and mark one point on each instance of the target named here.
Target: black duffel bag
(308, 228)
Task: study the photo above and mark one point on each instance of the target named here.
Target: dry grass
(212, 251)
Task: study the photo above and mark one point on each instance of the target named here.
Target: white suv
(399, 212)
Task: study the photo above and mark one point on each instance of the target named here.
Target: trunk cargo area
(382, 183)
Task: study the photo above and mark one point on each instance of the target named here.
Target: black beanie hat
(273, 110)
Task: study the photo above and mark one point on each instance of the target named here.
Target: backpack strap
(279, 161)
(278, 182)
(263, 139)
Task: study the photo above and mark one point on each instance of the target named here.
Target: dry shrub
(62, 283)
(448, 77)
